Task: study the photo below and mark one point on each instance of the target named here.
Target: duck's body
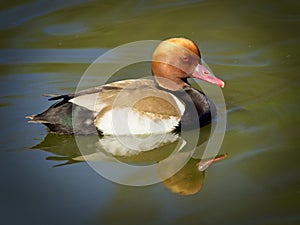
(139, 103)
(142, 106)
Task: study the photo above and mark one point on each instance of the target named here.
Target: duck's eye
(185, 58)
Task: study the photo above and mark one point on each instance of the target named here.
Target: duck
(166, 103)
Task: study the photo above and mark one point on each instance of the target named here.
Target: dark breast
(198, 108)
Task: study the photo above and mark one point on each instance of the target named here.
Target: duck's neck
(175, 84)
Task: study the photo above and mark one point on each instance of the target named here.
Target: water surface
(45, 46)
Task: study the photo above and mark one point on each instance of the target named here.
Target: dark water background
(45, 46)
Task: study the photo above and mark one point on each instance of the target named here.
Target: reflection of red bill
(203, 165)
(202, 73)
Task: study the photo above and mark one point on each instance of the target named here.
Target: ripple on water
(21, 56)
(251, 58)
(65, 29)
(150, 5)
(21, 14)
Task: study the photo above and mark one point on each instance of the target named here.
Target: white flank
(125, 121)
(179, 104)
(88, 101)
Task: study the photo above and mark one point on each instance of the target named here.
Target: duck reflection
(163, 149)
(189, 179)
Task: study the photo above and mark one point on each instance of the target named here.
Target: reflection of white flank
(95, 157)
(127, 145)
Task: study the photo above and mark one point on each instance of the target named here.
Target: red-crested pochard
(143, 106)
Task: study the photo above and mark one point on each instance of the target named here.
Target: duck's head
(176, 59)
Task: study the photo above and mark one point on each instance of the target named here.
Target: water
(253, 46)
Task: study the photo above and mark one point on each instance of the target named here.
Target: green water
(45, 46)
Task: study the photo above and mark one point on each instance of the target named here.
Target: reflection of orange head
(187, 181)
